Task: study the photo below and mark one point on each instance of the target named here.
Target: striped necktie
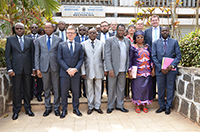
(21, 43)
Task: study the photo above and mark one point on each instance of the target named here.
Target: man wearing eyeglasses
(70, 59)
(47, 67)
(19, 56)
(102, 37)
(39, 87)
(93, 70)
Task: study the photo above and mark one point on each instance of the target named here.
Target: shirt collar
(69, 41)
(48, 36)
(164, 39)
(156, 27)
(20, 37)
(120, 40)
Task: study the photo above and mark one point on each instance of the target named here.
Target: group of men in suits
(60, 59)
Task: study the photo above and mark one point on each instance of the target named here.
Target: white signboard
(83, 11)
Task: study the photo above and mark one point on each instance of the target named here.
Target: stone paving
(114, 122)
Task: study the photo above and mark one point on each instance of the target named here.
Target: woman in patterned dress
(140, 56)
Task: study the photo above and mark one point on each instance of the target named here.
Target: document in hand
(166, 62)
(133, 72)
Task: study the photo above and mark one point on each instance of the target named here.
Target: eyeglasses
(140, 37)
(104, 26)
(34, 27)
(19, 28)
(92, 33)
(81, 29)
(70, 32)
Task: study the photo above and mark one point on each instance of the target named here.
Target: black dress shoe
(167, 111)
(89, 111)
(30, 113)
(161, 109)
(122, 109)
(99, 111)
(15, 116)
(109, 110)
(57, 113)
(63, 114)
(46, 113)
(77, 112)
(39, 99)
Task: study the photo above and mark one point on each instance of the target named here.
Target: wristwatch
(173, 66)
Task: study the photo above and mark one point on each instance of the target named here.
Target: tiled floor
(114, 122)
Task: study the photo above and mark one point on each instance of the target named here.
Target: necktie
(105, 36)
(21, 43)
(62, 36)
(34, 39)
(155, 34)
(92, 44)
(48, 43)
(82, 39)
(71, 49)
(165, 45)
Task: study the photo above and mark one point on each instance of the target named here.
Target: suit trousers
(65, 83)
(166, 81)
(93, 92)
(39, 88)
(116, 83)
(51, 78)
(17, 91)
(154, 86)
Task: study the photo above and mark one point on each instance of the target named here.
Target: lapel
(168, 45)
(53, 41)
(75, 50)
(18, 44)
(116, 42)
(160, 42)
(45, 42)
(25, 44)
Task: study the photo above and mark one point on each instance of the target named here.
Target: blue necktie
(82, 39)
(155, 34)
(49, 43)
(105, 37)
(71, 49)
(21, 43)
(62, 36)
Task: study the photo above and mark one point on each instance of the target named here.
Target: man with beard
(117, 63)
(39, 87)
(61, 33)
(165, 47)
(19, 56)
(102, 37)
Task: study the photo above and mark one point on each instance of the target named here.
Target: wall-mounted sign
(83, 11)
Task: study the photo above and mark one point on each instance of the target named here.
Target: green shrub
(190, 49)
(2, 52)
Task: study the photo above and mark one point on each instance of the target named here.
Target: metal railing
(87, 2)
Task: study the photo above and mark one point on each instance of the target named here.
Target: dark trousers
(166, 81)
(127, 91)
(82, 80)
(65, 84)
(154, 86)
(39, 88)
(17, 94)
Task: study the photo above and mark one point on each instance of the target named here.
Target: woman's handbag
(132, 72)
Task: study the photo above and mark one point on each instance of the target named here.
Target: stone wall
(187, 93)
(5, 90)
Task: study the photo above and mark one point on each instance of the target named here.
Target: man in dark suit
(47, 67)
(61, 33)
(70, 59)
(102, 37)
(152, 34)
(165, 47)
(39, 89)
(20, 64)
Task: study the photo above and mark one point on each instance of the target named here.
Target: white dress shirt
(122, 67)
(69, 44)
(103, 37)
(153, 32)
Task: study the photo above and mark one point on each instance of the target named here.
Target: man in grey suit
(93, 70)
(47, 67)
(117, 63)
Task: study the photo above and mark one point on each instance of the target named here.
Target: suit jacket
(158, 52)
(93, 65)
(45, 58)
(67, 61)
(17, 59)
(113, 53)
(148, 36)
(30, 36)
(99, 35)
(78, 39)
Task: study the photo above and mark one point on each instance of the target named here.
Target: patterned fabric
(21, 43)
(142, 92)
